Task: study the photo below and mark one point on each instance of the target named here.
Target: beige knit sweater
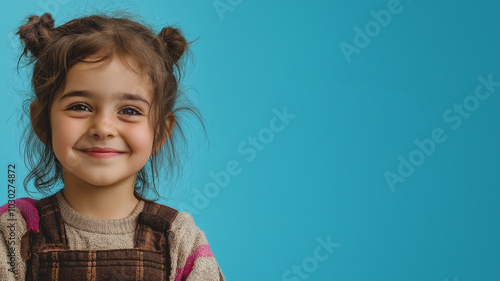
(89, 233)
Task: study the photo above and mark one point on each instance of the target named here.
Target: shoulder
(12, 216)
(191, 256)
(183, 225)
(24, 209)
(13, 226)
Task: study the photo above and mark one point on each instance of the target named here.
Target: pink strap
(28, 210)
(202, 251)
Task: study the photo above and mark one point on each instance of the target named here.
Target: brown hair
(56, 50)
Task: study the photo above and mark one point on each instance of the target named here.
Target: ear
(34, 107)
(170, 125)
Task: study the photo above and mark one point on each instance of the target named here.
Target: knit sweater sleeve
(191, 257)
(12, 228)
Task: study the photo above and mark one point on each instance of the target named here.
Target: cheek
(140, 138)
(64, 133)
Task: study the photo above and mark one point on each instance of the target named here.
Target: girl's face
(101, 129)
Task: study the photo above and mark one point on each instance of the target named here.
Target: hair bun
(174, 42)
(36, 33)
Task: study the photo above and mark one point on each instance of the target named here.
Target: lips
(100, 152)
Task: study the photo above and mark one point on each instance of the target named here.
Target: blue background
(323, 175)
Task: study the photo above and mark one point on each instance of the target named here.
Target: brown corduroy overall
(49, 257)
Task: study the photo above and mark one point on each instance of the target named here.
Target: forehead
(112, 75)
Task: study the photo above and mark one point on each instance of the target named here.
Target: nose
(103, 126)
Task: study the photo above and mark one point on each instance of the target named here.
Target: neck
(100, 202)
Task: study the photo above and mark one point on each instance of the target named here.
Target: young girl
(106, 96)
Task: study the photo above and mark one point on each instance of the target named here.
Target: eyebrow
(90, 94)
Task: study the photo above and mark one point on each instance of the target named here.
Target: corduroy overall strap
(149, 259)
(155, 219)
(51, 223)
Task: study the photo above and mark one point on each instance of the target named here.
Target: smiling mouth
(100, 153)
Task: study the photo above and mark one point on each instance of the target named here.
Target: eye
(78, 107)
(130, 111)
